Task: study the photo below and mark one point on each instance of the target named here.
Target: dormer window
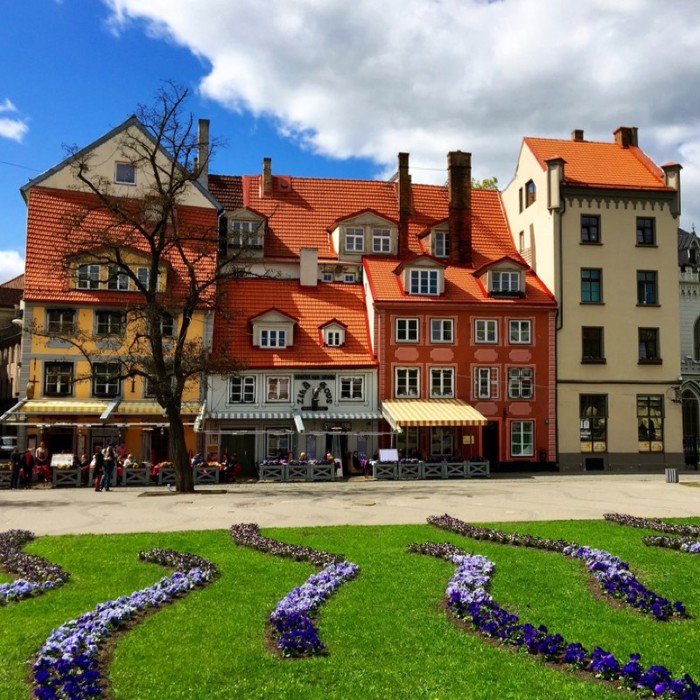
(424, 281)
(125, 174)
(334, 335)
(349, 277)
(88, 277)
(505, 282)
(116, 279)
(327, 277)
(273, 329)
(273, 338)
(354, 239)
(245, 234)
(441, 244)
(381, 240)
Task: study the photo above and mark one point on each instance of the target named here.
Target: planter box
(5, 477)
(481, 468)
(136, 476)
(321, 472)
(67, 477)
(410, 470)
(166, 475)
(298, 472)
(433, 470)
(456, 470)
(385, 470)
(205, 475)
(272, 472)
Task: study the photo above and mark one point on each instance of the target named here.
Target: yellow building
(597, 221)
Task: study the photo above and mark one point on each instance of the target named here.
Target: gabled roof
(313, 306)
(600, 164)
(504, 259)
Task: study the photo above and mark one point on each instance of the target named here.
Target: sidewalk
(53, 511)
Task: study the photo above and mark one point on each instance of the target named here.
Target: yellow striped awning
(430, 413)
(64, 406)
(153, 408)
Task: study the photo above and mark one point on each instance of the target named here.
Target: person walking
(27, 469)
(110, 460)
(97, 464)
(16, 461)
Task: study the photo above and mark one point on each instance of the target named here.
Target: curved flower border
(37, 575)
(468, 598)
(613, 575)
(687, 543)
(67, 665)
(291, 620)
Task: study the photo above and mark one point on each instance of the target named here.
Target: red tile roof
(313, 306)
(598, 164)
(52, 237)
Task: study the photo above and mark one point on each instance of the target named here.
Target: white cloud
(14, 129)
(371, 78)
(11, 265)
(7, 106)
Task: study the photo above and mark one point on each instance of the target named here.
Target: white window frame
(521, 383)
(349, 278)
(442, 330)
(327, 277)
(442, 435)
(442, 382)
(352, 388)
(105, 321)
(277, 440)
(520, 331)
(407, 330)
(245, 234)
(143, 275)
(333, 337)
(407, 382)
(58, 378)
(117, 279)
(168, 325)
(60, 321)
(486, 382)
(104, 384)
(486, 330)
(278, 388)
(441, 244)
(88, 276)
(506, 281)
(424, 282)
(241, 389)
(522, 429)
(381, 240)
(273, 338)
(125, 173)
(354, 239)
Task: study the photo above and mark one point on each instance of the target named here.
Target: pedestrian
(97, 464)
(27, 469)
(110, 461)
(16, 461)
(41, 462)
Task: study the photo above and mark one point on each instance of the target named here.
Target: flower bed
(67, 665)
(37, 574)
(468, 598)
(688, 543)
(291, 620)
(613, 575)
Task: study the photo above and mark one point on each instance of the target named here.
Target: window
(125, 174)
(424, 282)
(647, 288)
(650, 423)
(592, 344)
(58, 378)
(442, 381)
(352, 388)
(278, 388)
(530, 193)
(408, 440)
(60, 321)
(591, 286)
(593, 422)
(521, 384)
(270, 338)
(441, 330)
(441, 442)
(105, 379)
(88, 276)
(485, 331)
(245, 234)
(381, 240)
(406, 382)
(649, 346)
(241, 390)
(646, 234)
(521, 241)
(109, 323)
(333, 337)
(406, 330)
(696, 340)
(349, 277)
(441, 244)
(354, 240)
(117, 280)
(327, 277)
(519, 332)
(505, 282)
(486, 383)
(590, 229)
(143, 275)
(167, 325)
(278, 444)
(522, 438)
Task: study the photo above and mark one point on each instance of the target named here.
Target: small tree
(488, 183)
(169, 252)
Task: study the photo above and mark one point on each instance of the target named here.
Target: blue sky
(328, 88)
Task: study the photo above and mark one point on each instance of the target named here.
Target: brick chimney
(459, 169)
(203, 152)
(577, 135)
(626, 136)
(266, 183)
(405, 205)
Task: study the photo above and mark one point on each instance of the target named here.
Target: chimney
(404, 203)
(577, 135)
(203, 153)
(308, 267)
(626, 136)
(672, 178)
(459, 169)
(266, 185)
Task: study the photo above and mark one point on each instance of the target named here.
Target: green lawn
(387, 633)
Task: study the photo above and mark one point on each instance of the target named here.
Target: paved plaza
(54, 511)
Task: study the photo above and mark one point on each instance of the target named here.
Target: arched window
(696, 340)
(530, 193)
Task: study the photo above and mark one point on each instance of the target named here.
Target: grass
(387, 633)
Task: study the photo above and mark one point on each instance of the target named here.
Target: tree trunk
(184, 482)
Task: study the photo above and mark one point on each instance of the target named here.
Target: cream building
(598, 223)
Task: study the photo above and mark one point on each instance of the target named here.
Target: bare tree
(158, 245)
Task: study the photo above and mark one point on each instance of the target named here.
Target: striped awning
(430, 413)
(64, 407)
(341, 415)
(153, 408)
(252, 415)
